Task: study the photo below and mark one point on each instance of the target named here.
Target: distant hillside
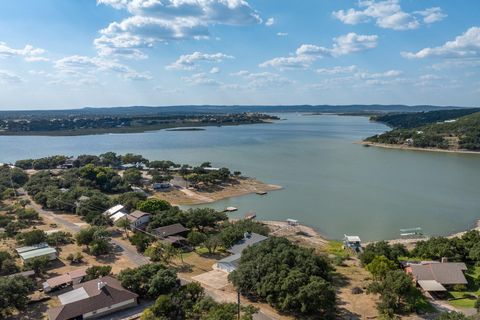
(212, 109)
(448, 129)
(413, 120)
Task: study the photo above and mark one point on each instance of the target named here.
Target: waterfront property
(93, 299)
(352, 242)
(230, 263)
(436, 276)
(176, 229)
(138, 219)
(37, 251)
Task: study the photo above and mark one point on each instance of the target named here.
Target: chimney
(100, 285)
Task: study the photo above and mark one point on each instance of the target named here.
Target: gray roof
(253, 238)
(234, 258)
(170, 230)
(431, 285)
(30, 248)
(447, 273)
(37, 253)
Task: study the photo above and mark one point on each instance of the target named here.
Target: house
(138, 219)
(230, 263)
(93, 299)
(37, 251)
(409, 142)
(115, 209)
(172, 230)
(68, 279)
(435, 276)
(352, 242)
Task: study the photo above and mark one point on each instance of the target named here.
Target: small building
(138, 219)
(436, 276)
(93, 299)
(352, 242)
(115, 209)
(230, 263)
(119, 215)
(40, 250)
(176, 229)
(409, 142)
(64, 280)
(292, 222)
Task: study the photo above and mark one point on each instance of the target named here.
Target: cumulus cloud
(466, 45)
(201, 79)
(215, 70)
(306, 54)
(261, 79)
(75, 65)
(386, 74)
(189, 61)
(337, 70)
(7, 77)
(166, 20)
(29, 53)
(270, 22)
(388, 14)
(282, 34)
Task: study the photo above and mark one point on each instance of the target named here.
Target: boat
(262, 193)
(230, 209)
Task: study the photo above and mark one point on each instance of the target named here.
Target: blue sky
(70, 54)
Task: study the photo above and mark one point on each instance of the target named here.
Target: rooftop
(447, 273)
(37, 253)
(170, 230)
(247, 241)
(138, 214)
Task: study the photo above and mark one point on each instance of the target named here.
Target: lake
(329, 182)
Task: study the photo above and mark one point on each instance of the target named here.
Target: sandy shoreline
(184, 196)
(404, 147)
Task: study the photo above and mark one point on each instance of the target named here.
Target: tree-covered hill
(449, 129)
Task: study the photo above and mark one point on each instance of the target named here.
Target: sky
(58, 54)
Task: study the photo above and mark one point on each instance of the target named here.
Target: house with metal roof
(115, 209)
(138, 219)
(435, 276)
(176, 229)
(67, 279)
(37, 251)
(230, 263)
(93, 299)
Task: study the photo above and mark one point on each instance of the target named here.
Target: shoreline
(404, 147)
(185, 197)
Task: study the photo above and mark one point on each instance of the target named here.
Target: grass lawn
(467, 299)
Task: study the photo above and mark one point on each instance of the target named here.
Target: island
(456, 130)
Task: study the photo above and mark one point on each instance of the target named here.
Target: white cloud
(7, 77)
(386, 74)
(337, 70)
(388, 14)
(189, 61)
(201, 79)
(166, 20)
(261, 79)
(78, 65)
(29, 53)
(214, 70)
(466, 45)
(282, 34)
(432, 15)
(270, 22)
(306, 54)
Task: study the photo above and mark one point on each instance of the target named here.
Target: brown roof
(170, 230)
(66, 278)
(138, 214)
(112, 293)
(445, 273)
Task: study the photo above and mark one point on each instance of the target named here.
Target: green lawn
(466, 299)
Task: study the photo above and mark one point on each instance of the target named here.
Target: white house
(138, 219)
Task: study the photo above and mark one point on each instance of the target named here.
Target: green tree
(212, 243)
(196, 238)
(200, 218)
(132, 176)
(95, 272)
(153, 205)
(150, 280)
(31, 238)
(7, 264)
(59, 238)
(14, 293)
(380, 266)
(38, 265)
(397, 293)
(300, 283)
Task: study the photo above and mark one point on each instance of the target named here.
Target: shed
(114, 209)
(49, 252)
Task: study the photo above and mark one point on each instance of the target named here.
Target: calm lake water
(329, 183)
